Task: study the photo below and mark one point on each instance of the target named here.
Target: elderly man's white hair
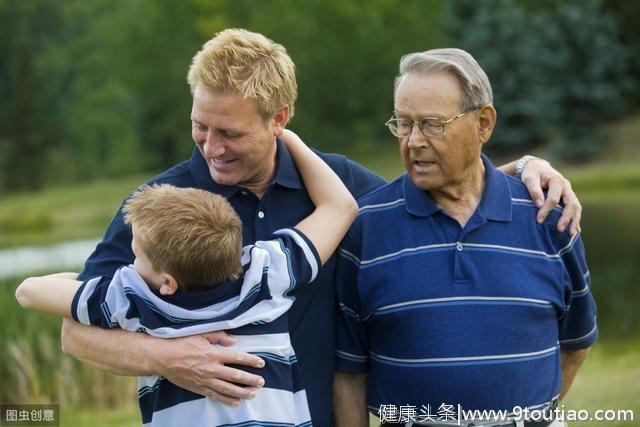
(474, 83)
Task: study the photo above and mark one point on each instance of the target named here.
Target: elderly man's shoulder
(383, 196)
(517, 187)
(521, 198)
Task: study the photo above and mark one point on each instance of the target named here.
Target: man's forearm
(570, 361)
(112, 350)
(350, 400)
(509, 168)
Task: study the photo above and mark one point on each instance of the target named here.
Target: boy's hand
(193, 363)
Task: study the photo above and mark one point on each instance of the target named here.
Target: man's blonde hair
(192, 234)
(237, 60)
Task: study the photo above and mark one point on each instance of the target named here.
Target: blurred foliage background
(97, 88)
(94, 100)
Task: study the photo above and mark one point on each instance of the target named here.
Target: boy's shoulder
(281, 243)
(287, 252)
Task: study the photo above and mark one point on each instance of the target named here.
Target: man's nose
(416, 139)
(213, 146)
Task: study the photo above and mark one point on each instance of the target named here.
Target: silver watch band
(521, 164)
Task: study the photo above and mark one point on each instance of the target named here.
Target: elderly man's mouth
(423, 165)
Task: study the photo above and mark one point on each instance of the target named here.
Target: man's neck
(261, 183)
(461, 199)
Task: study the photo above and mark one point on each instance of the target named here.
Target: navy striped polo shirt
(475, 316)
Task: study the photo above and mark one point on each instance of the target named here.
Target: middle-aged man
(452, 297)
(244, 90)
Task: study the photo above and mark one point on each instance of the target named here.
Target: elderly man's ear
(486, 122)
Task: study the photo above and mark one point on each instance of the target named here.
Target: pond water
(65, 256)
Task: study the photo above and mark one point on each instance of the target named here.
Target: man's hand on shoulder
(198, 363)
(538, 174)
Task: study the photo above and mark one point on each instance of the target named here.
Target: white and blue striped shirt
(252, 308)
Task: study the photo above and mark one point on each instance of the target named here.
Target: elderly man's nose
(416, 138)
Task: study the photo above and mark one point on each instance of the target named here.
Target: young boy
(191, 276)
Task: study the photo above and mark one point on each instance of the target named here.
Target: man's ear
(169, 284)
(487, 117)
(280, 120)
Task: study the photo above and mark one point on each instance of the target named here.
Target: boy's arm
(335, 207)
(50, 294)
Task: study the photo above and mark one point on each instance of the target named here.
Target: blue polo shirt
(284, 204)
(475, 316)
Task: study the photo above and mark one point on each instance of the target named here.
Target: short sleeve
(577, 325)
(103, 301)
(292, 258)
(352, 354)
(89, 305)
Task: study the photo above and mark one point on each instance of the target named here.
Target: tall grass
(33, 368)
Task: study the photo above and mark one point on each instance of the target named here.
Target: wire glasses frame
(429, 126)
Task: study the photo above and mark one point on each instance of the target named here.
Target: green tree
(28, 125)
(591, 71)
(558, 69)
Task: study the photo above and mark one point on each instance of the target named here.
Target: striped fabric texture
(476, 316)
(252, 308)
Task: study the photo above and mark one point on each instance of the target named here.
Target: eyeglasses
(429, 126)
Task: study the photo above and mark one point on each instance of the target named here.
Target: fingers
(554, 192)
(535, 189)
(226, 389)
(219, 337)
(240, 358)
(229, 401)
(230, 391)
(238, 376)
(572, 212)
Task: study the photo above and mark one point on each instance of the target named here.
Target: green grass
(121, 416)
(62, 213)
(608, 380)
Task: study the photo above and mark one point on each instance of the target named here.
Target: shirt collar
(495, 204)
(496, 199)
(286, 174)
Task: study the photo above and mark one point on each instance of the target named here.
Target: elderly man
(452, 297)
(244, 91)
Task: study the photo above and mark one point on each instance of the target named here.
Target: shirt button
(244, 193)
(459, 247)
(260, 214)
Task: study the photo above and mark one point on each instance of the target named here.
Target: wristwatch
(521, 164)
